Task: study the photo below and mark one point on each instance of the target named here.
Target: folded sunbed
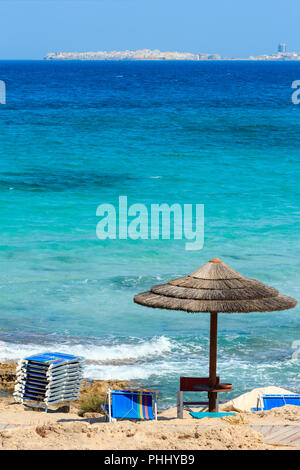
(48, 378)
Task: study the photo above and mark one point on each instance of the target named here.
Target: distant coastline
(156, 54)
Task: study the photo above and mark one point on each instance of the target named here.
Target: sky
(233, 28)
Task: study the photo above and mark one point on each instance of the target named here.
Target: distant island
(139, 54)
(156, 54)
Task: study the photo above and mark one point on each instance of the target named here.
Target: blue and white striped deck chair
(267, 402)
(130, 404)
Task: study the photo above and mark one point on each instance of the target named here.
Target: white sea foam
(124, 361)
(92, 352)
(131, 371)
(156, 359)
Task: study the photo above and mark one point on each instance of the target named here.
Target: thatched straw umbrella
(213, 288)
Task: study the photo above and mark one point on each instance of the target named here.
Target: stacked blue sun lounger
(48, 378)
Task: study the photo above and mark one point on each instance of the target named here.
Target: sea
(78, 134)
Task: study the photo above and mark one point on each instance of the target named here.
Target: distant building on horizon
(282, 47)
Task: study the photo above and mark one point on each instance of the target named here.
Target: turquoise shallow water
(74, 135)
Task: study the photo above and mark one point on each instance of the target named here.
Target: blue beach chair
(267, 402)
(130, 404)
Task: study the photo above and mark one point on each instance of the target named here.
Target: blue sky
(236, 28)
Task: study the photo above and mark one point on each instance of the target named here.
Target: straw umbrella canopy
(213, 288)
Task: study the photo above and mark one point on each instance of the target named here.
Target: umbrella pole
(212, 396)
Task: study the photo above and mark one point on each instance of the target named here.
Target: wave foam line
(157, 346)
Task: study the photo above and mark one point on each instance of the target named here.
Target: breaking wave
(105, 353)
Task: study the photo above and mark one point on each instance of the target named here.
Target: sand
(22, 428)
(55, 430)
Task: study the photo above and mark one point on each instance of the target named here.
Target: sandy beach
(24, 428)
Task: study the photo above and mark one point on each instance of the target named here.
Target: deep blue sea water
(74, 135)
